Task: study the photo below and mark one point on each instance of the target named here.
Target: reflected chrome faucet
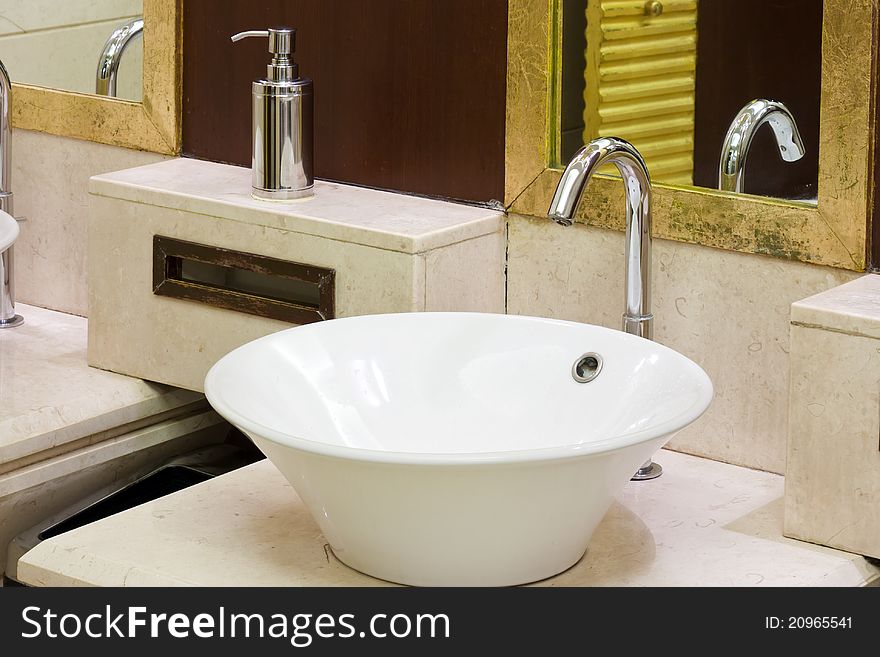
(637, 317)
(108, 61)
(732, 168)
(8, 318)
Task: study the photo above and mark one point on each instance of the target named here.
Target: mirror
(672, 76)
(84, 46)
(146, 112)
(832, 231)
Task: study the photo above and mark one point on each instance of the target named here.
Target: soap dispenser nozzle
(282, 43)
(282, 122)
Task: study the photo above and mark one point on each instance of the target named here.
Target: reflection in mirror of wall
(670, 76)
(57, 44)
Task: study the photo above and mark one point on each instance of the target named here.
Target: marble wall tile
(50, 177)
(727, 311)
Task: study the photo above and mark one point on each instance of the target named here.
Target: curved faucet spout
(108, 61)
(732, 168)
(637, 317)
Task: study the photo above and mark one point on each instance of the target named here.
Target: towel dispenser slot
(245, 282)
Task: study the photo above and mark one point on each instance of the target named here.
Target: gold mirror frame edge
(833, 232)
(151, 125)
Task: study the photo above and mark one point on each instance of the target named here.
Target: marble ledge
(852, 308)
(704, 523)
(51, 401)
(384, 220)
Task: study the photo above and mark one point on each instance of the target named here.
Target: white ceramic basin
(456, 448)
(8, 230)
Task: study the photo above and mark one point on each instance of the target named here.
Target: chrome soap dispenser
(282, 122)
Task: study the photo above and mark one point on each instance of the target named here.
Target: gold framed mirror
(832, 231)
(150, 125)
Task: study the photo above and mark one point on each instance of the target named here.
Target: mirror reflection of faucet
(111, 54)
(637, 318)
(732, 167)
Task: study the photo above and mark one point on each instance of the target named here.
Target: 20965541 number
(808, 622)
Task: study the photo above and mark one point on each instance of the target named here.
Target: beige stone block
(391, 253)
(727, 311)
(173, 341)
(850, 308)
(832, 486)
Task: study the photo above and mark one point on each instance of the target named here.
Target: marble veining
(346, 213)
(50, 397)
(703, 523)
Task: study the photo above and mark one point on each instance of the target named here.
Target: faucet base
(12, 322)
(649, 470)
(642, 326)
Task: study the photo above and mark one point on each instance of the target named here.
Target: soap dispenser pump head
(282, 44)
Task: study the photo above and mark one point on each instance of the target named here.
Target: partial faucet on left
(8, 318)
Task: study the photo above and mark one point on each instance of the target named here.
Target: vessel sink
(8, 230)
(457, 449)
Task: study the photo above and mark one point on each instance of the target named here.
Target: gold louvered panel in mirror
(640, 80)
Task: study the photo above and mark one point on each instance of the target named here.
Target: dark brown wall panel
(409, 94)
(759, 49)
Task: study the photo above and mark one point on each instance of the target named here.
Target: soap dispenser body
(282, 122)
(282, 139)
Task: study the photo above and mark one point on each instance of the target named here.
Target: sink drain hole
(587, 367)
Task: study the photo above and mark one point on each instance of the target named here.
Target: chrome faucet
(637, 317)
(108, 61)
(8, 318)
(732, 168)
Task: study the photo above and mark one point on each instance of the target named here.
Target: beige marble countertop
(396, 222)
(52, 402)
(703, 523)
